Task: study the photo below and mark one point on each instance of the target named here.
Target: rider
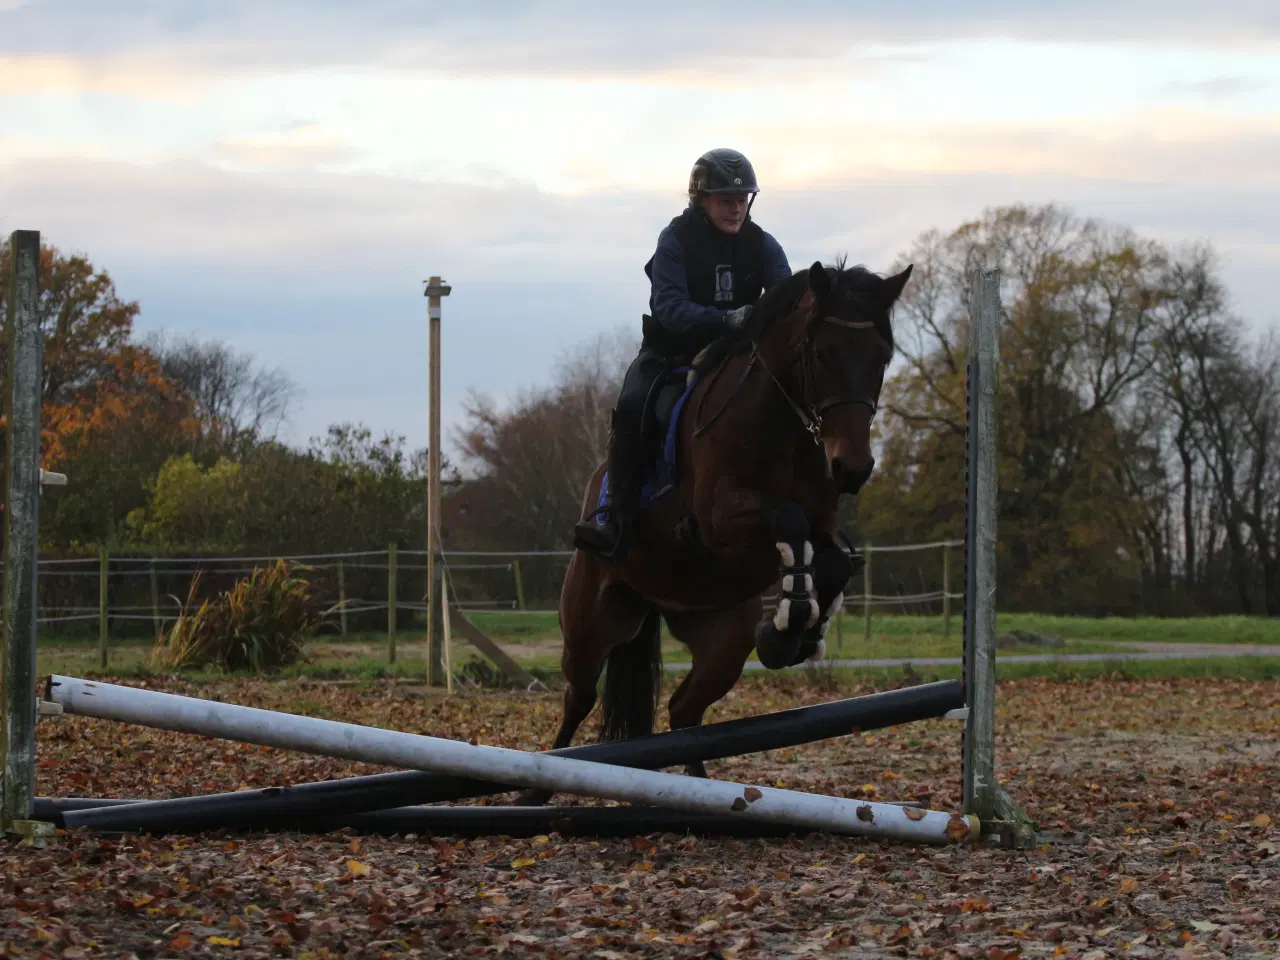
(711, 265)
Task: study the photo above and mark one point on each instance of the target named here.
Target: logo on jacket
(724, 283)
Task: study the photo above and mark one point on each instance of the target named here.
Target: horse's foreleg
(832, 568)
(779, 640)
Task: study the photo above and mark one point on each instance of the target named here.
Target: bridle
(807, 409)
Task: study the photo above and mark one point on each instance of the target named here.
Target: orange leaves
(131, 402)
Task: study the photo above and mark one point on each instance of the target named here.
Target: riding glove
(736, 318)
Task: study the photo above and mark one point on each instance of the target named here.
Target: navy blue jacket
(678, 315)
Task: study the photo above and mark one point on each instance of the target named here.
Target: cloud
(576, 36)
(298, 146)
(321, 273)
(1213, 88)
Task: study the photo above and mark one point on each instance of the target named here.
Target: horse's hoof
(775, 649)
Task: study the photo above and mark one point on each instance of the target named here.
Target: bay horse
(776, 428)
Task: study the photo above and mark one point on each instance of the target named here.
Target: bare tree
(235, 398)
(528, 463)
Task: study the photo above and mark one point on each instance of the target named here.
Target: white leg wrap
(836, 606)
(781, 616)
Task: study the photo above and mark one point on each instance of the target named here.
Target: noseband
(808, 409)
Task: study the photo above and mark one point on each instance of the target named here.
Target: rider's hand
(736, 318)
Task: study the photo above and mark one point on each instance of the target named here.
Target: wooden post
(342, 597)
(515, 572)
(446, 632)
(392, 576)
(435, 619)
(866, 591)
(155, 599)
(983, 794)
(22, 534)
(946, 590)
(435, 289)
(104, 561)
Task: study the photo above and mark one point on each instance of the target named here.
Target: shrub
(260, 624)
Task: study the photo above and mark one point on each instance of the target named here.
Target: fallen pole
(479, 821)
(276, 806)
(534, 770)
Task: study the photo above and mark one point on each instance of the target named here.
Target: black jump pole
(477, 821)
(280, 806)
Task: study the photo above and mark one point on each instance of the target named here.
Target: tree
(528, 464)
(83, 320)
(347, 491)
(236, 400)
(110, 436)
(1081, 470)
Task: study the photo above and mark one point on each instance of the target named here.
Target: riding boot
(612, 538)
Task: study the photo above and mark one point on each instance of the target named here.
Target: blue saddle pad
(660, 477)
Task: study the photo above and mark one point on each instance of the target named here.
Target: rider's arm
(776, 268)
(669, 299)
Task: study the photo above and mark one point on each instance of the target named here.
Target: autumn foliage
(1139, 434)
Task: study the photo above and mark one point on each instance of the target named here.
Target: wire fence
(139, 596)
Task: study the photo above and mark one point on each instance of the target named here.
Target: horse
(775, 428)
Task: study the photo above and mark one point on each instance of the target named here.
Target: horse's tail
(632, 680)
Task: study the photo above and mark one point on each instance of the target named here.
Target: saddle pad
(660, 477)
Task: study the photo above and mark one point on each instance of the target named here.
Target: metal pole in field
(983, 794)
(22, 533)
(435, 290)
(351, 741)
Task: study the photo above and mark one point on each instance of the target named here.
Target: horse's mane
(777, 302)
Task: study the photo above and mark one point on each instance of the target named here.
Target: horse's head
(846, 344)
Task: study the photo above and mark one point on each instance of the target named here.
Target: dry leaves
(1158, 798)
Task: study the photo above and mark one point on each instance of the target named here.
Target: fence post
(515, 572)
(392, 575)
(22, 534)
(435, 616)
(104, 559)
(946, 590)
(155, 599)
(866, 591)
(342, 597)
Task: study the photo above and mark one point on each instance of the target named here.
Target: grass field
(533, 639)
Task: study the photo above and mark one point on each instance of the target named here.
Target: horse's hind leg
(594, 617)
(720, 643)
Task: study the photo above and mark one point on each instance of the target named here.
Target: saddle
(658, 432)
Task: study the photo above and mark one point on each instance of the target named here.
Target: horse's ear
(891, 288)
(819, 280)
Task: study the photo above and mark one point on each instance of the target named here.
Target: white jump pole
(350, 741)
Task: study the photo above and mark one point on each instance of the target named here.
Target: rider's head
(723, 183)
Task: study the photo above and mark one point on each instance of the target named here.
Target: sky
(283, 177)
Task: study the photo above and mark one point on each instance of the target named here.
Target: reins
(810, 418)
